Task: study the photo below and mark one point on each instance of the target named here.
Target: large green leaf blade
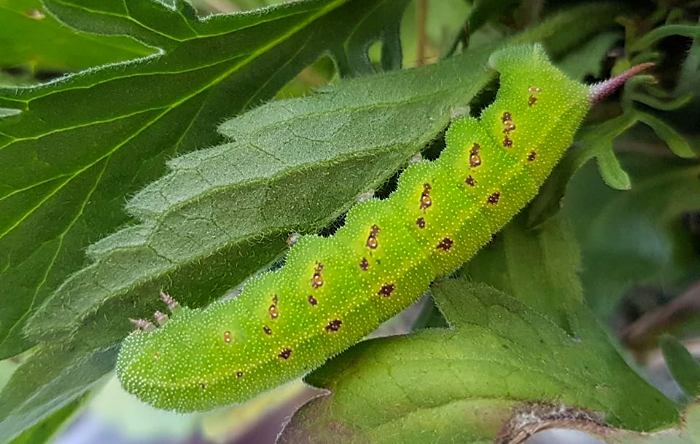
(80, 145)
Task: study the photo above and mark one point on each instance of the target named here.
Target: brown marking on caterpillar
(532, 100)
(532, 156)
(317, 278)
(425, 200)
(272, 309)
(312, 300)
(372, 241)
(494, 197)
(470, 181)
(474, 156)
(364, 264)
(420, 222)
(267, 330)
(445, 244)
(386, 290)
(508, 124)
(334, 325)
(227, 337)
(239, 374)
(508, 127)
(203, 385)
(285, 353)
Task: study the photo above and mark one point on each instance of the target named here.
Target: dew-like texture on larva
(333, 291)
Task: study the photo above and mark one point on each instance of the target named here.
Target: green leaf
(611, 171)
(665, 132)
(565, 29)
(593, 141)
(661, 32)
(588, 59)
(31, 36)
(51, 379)
(597, 141)
(687, 433)
(661, 100)
(537, 266)
(82, 144)
(682, 365)
(634, 237)
(45, 430)
(461, 384)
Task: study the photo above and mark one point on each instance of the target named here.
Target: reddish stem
(601, 90)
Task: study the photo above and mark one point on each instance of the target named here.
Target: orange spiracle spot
(425, 199)
(372, 241)
(317, 279)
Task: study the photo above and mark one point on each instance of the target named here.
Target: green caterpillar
(334, 291)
